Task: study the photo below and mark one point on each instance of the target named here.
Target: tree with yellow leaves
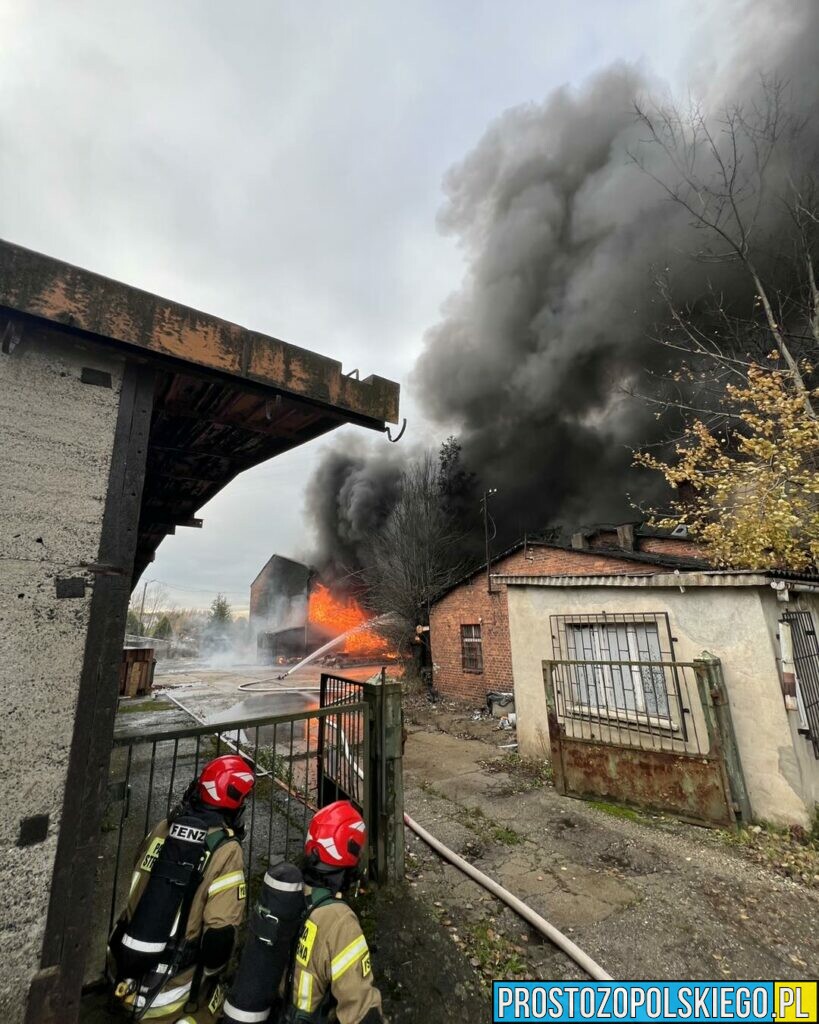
(755, 482)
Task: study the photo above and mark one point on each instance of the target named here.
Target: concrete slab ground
(646, 897)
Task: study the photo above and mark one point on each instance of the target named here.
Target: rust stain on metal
(44, 287)
(690, 787)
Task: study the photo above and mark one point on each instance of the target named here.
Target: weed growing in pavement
(793, 852)
(492, 954)
(617, 810)
(525, 774)
(476, 821)
(277, 764)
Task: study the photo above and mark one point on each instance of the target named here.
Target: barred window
(621, 687)
(619, 664)
(471, 649)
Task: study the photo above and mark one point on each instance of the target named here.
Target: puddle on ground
(264, 705)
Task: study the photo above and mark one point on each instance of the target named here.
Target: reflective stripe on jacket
(332, 977)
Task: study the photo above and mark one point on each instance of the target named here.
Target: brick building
(469, 625)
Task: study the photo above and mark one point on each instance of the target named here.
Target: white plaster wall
(730, 623)
(797, 759)
(56, 439)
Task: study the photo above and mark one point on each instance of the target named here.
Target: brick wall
(679, 546)
(470, 604)
(671, 546)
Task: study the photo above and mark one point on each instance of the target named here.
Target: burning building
(278, 609)
(293, 614)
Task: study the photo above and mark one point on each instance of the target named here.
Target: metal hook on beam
(395, 440)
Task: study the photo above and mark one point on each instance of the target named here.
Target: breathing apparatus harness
(326, 886)
(151, 947)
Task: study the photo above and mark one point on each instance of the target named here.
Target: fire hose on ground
(584, 961)
(540, 924)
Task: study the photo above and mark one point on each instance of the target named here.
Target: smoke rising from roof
(563, 236)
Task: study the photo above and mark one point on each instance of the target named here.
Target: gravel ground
(646, 896)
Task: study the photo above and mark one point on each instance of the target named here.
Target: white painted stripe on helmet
(358, 826)
(275, 883)
(245, 1016)
(330, 846)
(245, 776)
(142, 947)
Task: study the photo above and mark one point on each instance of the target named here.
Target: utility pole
(142, 604)
(486, 517)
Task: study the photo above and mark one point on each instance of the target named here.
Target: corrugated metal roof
(715, 578)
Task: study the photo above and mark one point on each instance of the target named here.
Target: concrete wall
(57, 438)
(797, 759)
(734, 624)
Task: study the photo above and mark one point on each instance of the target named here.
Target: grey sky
(279, 164)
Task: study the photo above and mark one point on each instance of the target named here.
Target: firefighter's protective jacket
(332, 976)
(220, 901)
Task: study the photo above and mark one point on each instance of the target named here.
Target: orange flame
(338, 615)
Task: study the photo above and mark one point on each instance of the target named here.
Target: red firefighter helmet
(337, 835)
(225, 782)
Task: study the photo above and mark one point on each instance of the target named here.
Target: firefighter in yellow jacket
(331, 977)
(186, 902)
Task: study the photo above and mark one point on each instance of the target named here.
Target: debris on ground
(792, 852)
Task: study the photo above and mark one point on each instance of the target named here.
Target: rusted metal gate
(647, 733)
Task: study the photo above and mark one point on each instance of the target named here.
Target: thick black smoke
(563, 236)
(348, 499)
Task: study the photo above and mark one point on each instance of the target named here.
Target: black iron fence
(385, 783)
(301, 761)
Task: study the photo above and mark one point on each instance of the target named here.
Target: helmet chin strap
(319, 874)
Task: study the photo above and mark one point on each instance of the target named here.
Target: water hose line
(591, 968)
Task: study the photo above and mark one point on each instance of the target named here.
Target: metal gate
(384, 785)
(301, 761)
(806, 664)
(645, 733)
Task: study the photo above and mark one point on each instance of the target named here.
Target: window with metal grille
(618, 664)
(806, 664)
(471, 649)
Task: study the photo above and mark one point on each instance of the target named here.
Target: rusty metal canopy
(226, 398)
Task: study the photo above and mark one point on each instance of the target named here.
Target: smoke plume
(563, 235)
(348, 499)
